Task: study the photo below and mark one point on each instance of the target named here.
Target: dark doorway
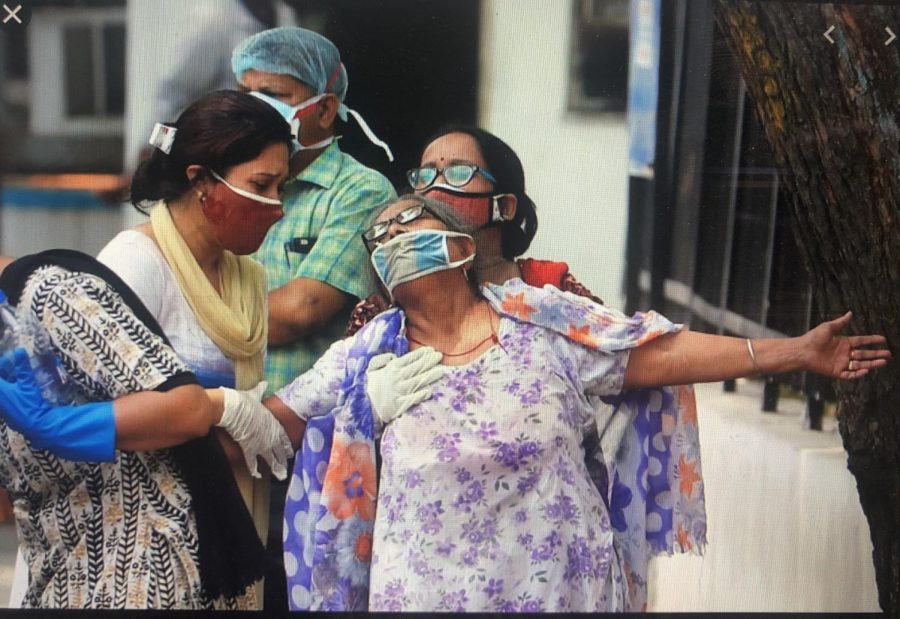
(413, 66)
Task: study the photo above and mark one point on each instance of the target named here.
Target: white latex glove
(256, 430)
(395, 384)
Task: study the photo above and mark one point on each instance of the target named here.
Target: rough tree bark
(831, 115)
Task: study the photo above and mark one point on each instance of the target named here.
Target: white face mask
(292, 114)
(412, 255)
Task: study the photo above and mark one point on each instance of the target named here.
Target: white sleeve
(594, 372)
(315, 392)
(604, 372)
(134, 257)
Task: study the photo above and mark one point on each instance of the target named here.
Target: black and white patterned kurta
(111, 535)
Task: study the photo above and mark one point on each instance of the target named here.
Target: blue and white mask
(292, 114)
(415, 254)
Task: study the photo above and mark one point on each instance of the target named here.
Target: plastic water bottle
(24, 330)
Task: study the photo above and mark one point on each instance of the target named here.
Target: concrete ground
(8, 545)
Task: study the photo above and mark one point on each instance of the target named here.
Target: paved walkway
(8, 545)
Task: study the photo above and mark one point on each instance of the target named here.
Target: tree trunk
(830, 113)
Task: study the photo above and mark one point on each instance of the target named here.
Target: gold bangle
(756, 369)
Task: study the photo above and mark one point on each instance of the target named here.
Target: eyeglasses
(456, 175)
(405, 216)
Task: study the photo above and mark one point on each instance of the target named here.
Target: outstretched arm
(688, 357)
(150, 420)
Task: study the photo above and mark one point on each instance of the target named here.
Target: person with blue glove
(126, 485)
(131, 461)
(76, 432)
(91, 432)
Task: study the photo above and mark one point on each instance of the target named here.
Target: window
(78, 54)
(599, 55)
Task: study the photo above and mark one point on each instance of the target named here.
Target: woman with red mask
(212, 189)
(132, 503)
(481, 177)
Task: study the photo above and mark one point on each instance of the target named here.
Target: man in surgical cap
(315, 260)
(314, 257)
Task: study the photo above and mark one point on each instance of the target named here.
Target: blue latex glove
(84, 432)
(8, 366)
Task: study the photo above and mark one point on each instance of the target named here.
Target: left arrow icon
(827, 35)
(892, 37)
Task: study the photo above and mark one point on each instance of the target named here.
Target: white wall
(152, 28)
(575, 164)
(185, 45)
(786, 532)
(30, 229)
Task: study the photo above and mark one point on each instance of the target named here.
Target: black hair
(219, 130)
(503, 163)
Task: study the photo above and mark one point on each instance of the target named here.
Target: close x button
(14, 15)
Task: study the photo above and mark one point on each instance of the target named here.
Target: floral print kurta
(484, 500)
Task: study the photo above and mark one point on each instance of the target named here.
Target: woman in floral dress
(483, 501)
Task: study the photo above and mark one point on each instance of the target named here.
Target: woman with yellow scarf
(134, 504)
(211, 187)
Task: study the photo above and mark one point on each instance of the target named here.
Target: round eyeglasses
(456, 175)
(405, 216)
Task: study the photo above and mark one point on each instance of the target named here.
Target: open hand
(396, 384)
(846, 357)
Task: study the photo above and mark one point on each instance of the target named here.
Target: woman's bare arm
(688, 357)
(149, 420)
(293, 425)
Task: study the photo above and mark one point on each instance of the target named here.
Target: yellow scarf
(237, 321)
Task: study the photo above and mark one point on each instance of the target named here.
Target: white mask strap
(245, 193)
(497, 214)
(309, 102)
(319, 144)
(370, 134)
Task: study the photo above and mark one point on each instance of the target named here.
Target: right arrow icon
(892, 36)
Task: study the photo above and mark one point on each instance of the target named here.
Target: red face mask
(240, 219)
(476, 209)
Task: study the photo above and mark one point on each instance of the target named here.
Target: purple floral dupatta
(655, 498)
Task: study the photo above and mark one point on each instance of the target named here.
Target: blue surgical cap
(298, 52)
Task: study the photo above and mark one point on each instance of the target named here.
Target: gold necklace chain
(492, 336)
